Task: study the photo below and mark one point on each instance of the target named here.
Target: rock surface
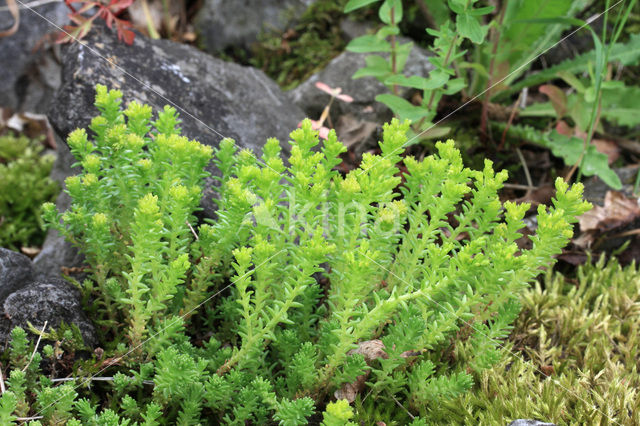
(214, 98)
(56, 253)
(27, 301)
(595, 189)
(523, 422)
(222, 24)
(29, 78)
(15, 272)
(363, 90)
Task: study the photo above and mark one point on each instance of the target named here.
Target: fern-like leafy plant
(400, 286)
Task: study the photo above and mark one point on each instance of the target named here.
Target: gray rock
(523, 422)
(15, 272)
(222, 23)
(29, 77)
(53, 301)
(595, 189)
(56, 253)
(353, 29)
(363, 90)
(214, 98)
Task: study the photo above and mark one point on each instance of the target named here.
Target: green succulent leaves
(324, 283)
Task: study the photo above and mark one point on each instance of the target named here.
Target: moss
(291, 57)
(24, 186)
(577, 344)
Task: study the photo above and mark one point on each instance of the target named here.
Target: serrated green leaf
(469, 27)
(621, 105)
(596, 163)
(569, 148)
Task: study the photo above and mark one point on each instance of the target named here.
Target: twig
(403, 407)
(518, 186)
(524, 165)
(2, 388)
(97, 379)
(625, 234)
(28, 419)
(514, 110)
(192, 230)
(37, 344)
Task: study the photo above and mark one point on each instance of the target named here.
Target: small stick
(28, 419)
(518, 186)
(37, 344)
(524, 164)
(2, 388)
(403, 407)
(192, 230)
(625, 234)
(96, 379)
(514, 110)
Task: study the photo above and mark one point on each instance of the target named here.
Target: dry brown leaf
(557, 97)
(608, 148)
(30, 251)
(370, 350)
(618, 211)
(352, 131)
(33, 126)
(15, 12)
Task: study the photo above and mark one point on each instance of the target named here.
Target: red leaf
(118, 6)
(124, 34)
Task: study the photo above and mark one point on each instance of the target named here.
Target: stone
(15, 272)
(595, 189)
(338, 73)
(57, 255)
(53, 301)
(523, 422)
(222, 24)
(30, 74)
(216, 99)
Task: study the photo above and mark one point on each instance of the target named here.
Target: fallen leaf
(557, 97)
(564, 129)
(30, 251)
(15, 12)
(608, 148)
(370, 350)
(618, 211)
(352, 131)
